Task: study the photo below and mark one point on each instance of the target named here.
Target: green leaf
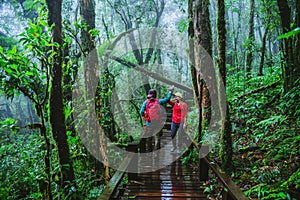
(29, 73)
(28, 4)
(15, 67)
(183, 25)
(14, 50)
(289, 34)
(8, 71)
(8, 123)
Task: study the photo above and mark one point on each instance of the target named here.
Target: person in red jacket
(179, 117)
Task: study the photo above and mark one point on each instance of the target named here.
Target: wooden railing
(111, 188)
(232, 192)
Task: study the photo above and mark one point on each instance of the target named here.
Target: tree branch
(154, 75)
(272, 85)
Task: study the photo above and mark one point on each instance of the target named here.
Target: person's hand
(172, 88)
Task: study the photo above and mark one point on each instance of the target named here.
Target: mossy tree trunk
(92, 85)
(226, 140)
(191, 36)
(200, 36)
(290, 19)
(57, 116)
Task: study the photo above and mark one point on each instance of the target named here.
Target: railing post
(203, 167)
(142, 145)
(226, 195)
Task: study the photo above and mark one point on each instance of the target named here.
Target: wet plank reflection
(172, 182)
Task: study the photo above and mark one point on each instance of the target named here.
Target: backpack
(153, 110)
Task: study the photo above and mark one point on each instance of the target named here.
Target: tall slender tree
(91, 74)
(226, 140)
(250, 45)
(267, 25)
(200, 37)
(57, 115)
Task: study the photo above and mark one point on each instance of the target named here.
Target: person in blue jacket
(150, 111)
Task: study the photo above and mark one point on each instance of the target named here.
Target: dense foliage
(266, 138)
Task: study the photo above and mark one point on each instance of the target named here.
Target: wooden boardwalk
(174, 181)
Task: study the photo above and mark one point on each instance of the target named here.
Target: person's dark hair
(152, 93)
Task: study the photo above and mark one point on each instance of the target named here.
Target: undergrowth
(266, 141)
(266, 144)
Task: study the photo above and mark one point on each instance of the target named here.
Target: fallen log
(272, 85)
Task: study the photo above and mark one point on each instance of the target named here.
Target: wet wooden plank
(173, 194)
(181, 183)
(175, 181)
(168, 189)
(165, 186)
(182, 180)
(168, 198)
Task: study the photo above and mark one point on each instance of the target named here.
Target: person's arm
(172, 103)
(143, 108)
(165, 100)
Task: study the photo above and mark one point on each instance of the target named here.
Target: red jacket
(179, 112)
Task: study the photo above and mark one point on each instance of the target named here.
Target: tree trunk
(250, 46)
(57, 116)
(291, 45)
(91, 77)
(237, 51)
(68, 78)
(203, 38)
(226, 143)
(47, 189)
(263, 52)
(200, 36)
(196, 87)
(107, 84)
